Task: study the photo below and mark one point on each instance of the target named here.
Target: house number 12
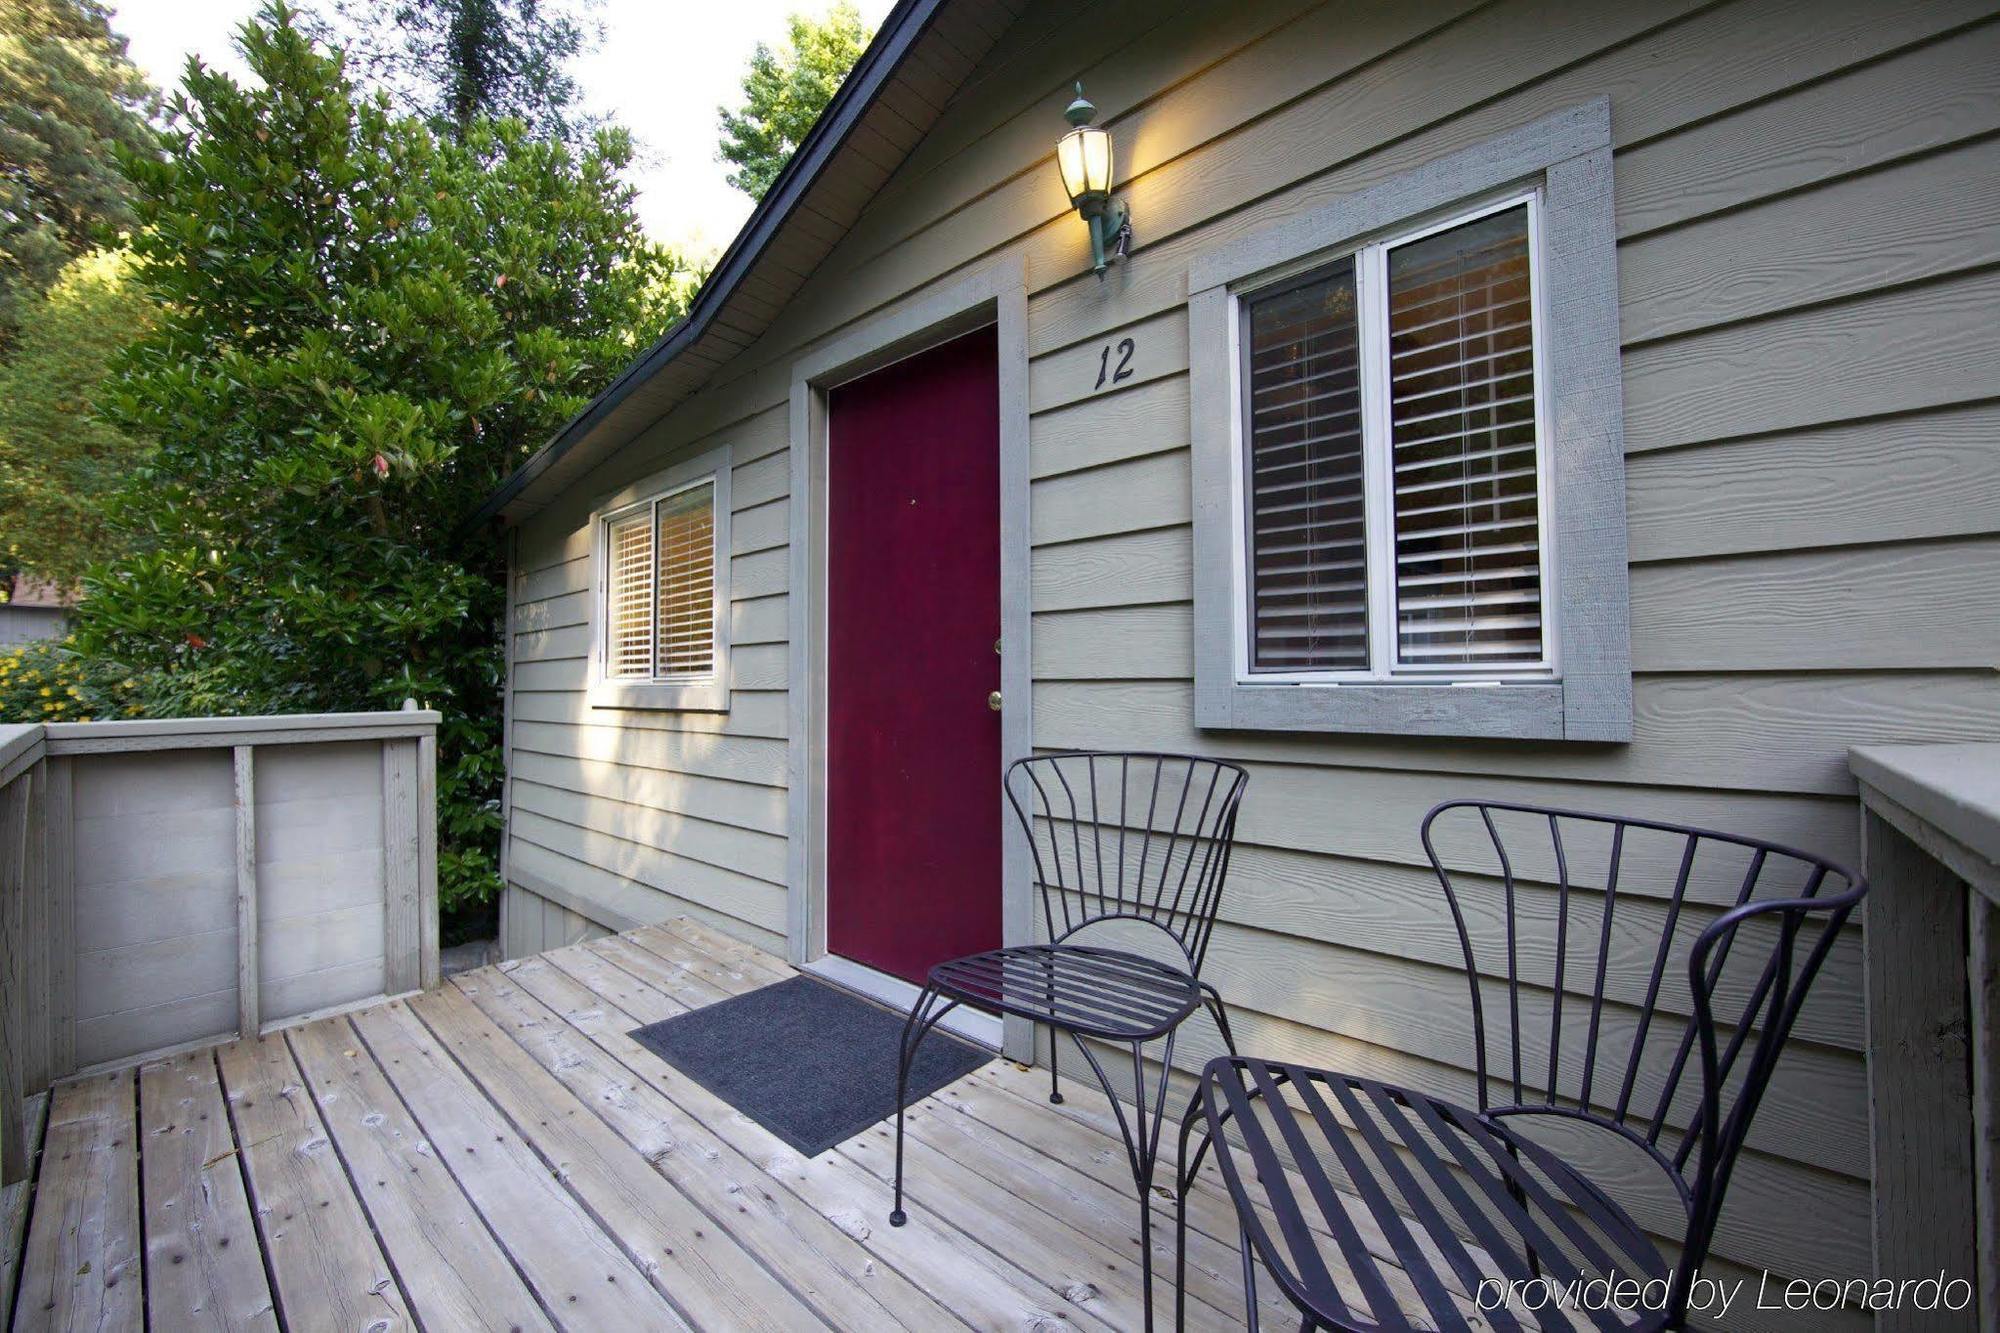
(1109, 374)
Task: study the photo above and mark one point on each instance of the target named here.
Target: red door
(913, 617)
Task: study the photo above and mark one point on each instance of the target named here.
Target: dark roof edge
(898, 33)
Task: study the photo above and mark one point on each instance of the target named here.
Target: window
(1409, 468)
(659, 630)
(1391, 460)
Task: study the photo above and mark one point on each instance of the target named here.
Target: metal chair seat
(1481, 1205)
(1095, 991)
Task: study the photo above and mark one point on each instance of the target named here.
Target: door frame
(996, 294)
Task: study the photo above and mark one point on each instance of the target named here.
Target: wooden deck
(499, 1154)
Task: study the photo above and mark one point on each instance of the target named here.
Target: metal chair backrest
(1586, 917)
(1129, 836)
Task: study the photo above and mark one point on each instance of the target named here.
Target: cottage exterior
(1753, 523)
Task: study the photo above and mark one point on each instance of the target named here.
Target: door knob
(993, 701)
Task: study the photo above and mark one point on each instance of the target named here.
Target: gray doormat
(810, 1062)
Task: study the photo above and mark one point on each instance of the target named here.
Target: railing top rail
(178, 733)
(21, 745)
(1954, 788)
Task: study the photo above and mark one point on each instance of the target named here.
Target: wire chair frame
(1806, 921)
(1176, 813)
(1113, 836)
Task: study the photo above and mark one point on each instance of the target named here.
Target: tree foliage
(455, 62)
(60, 461)
(69, 99)
(784, 92)
(365, 328)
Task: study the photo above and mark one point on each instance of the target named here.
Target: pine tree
(784, 92)
(69, 99)
(453, 62)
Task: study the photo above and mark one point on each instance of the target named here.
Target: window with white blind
(1392, 459)
(1408, 454)
(661, 561)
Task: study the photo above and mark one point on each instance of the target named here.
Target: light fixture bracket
(1110, 232)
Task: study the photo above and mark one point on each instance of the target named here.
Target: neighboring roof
(924, 51)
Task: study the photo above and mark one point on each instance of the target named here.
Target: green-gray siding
(1807, 266)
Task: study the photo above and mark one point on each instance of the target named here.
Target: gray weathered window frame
(1567, 156)
(700, 694)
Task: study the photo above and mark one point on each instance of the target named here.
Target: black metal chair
(1115, 837)
(1598, 1043)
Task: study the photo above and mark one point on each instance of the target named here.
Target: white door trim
(997, 295)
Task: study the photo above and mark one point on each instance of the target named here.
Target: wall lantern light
(1083, 156)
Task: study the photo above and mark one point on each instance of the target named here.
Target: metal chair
(1115, 837)
(1582, 918)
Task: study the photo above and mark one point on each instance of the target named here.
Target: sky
(664, 68)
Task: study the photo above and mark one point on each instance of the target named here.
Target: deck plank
(1071, 1224)
(838, 1275)
(557, 1246)
(328, 1270)
(454, 1271)
(1079, 1135)
(15, 1201)
(1014, 1101)
(1105, 1209)
(984, 1290)
(81, 1267)
(201, 1240)
(694, 1259)
(500, 1153)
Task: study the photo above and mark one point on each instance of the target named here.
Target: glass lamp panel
(1096, 159)
(1069, 161)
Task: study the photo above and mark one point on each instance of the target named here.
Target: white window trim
(1371, 305)
(1566, 157)
(692, 694)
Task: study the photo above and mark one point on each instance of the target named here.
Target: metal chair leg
(1142, 1142)
(915, 1029)
(1211, 999)
(1183, 1182)
(1249, 1281)
(1055, 1049)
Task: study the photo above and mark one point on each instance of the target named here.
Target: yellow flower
(46, 691)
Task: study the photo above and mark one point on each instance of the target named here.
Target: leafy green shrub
(363, 329)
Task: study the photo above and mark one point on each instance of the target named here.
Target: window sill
(709, 696)
(1511, 710)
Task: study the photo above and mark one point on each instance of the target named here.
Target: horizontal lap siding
(1807, 274)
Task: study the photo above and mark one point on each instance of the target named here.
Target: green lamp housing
(1083, 157)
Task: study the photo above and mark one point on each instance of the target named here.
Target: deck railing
(174, 882)
(1930, 836)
